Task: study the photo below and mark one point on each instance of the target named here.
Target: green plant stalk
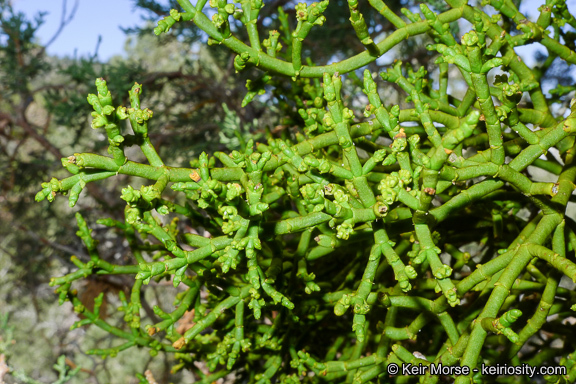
(522, 256)
(277, 66)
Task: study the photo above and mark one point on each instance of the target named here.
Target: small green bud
(301, 12)
(149, 192)
(344, 230)
(410, 272)
(405, 176)
(75, 192)
(404, 285)
(218, 20)
(130, 195)
(470, 39)
(132, 214)
(163, 210)
(241, 61)
(121, 113)
(98, 121)
(94, 102)
(107, 110)
(380, 209)
(165, 24)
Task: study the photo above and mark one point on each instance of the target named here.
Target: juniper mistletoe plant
(354, 243)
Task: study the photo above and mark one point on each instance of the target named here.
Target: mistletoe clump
(362, 239)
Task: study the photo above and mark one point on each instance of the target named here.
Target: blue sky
(92, 18)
